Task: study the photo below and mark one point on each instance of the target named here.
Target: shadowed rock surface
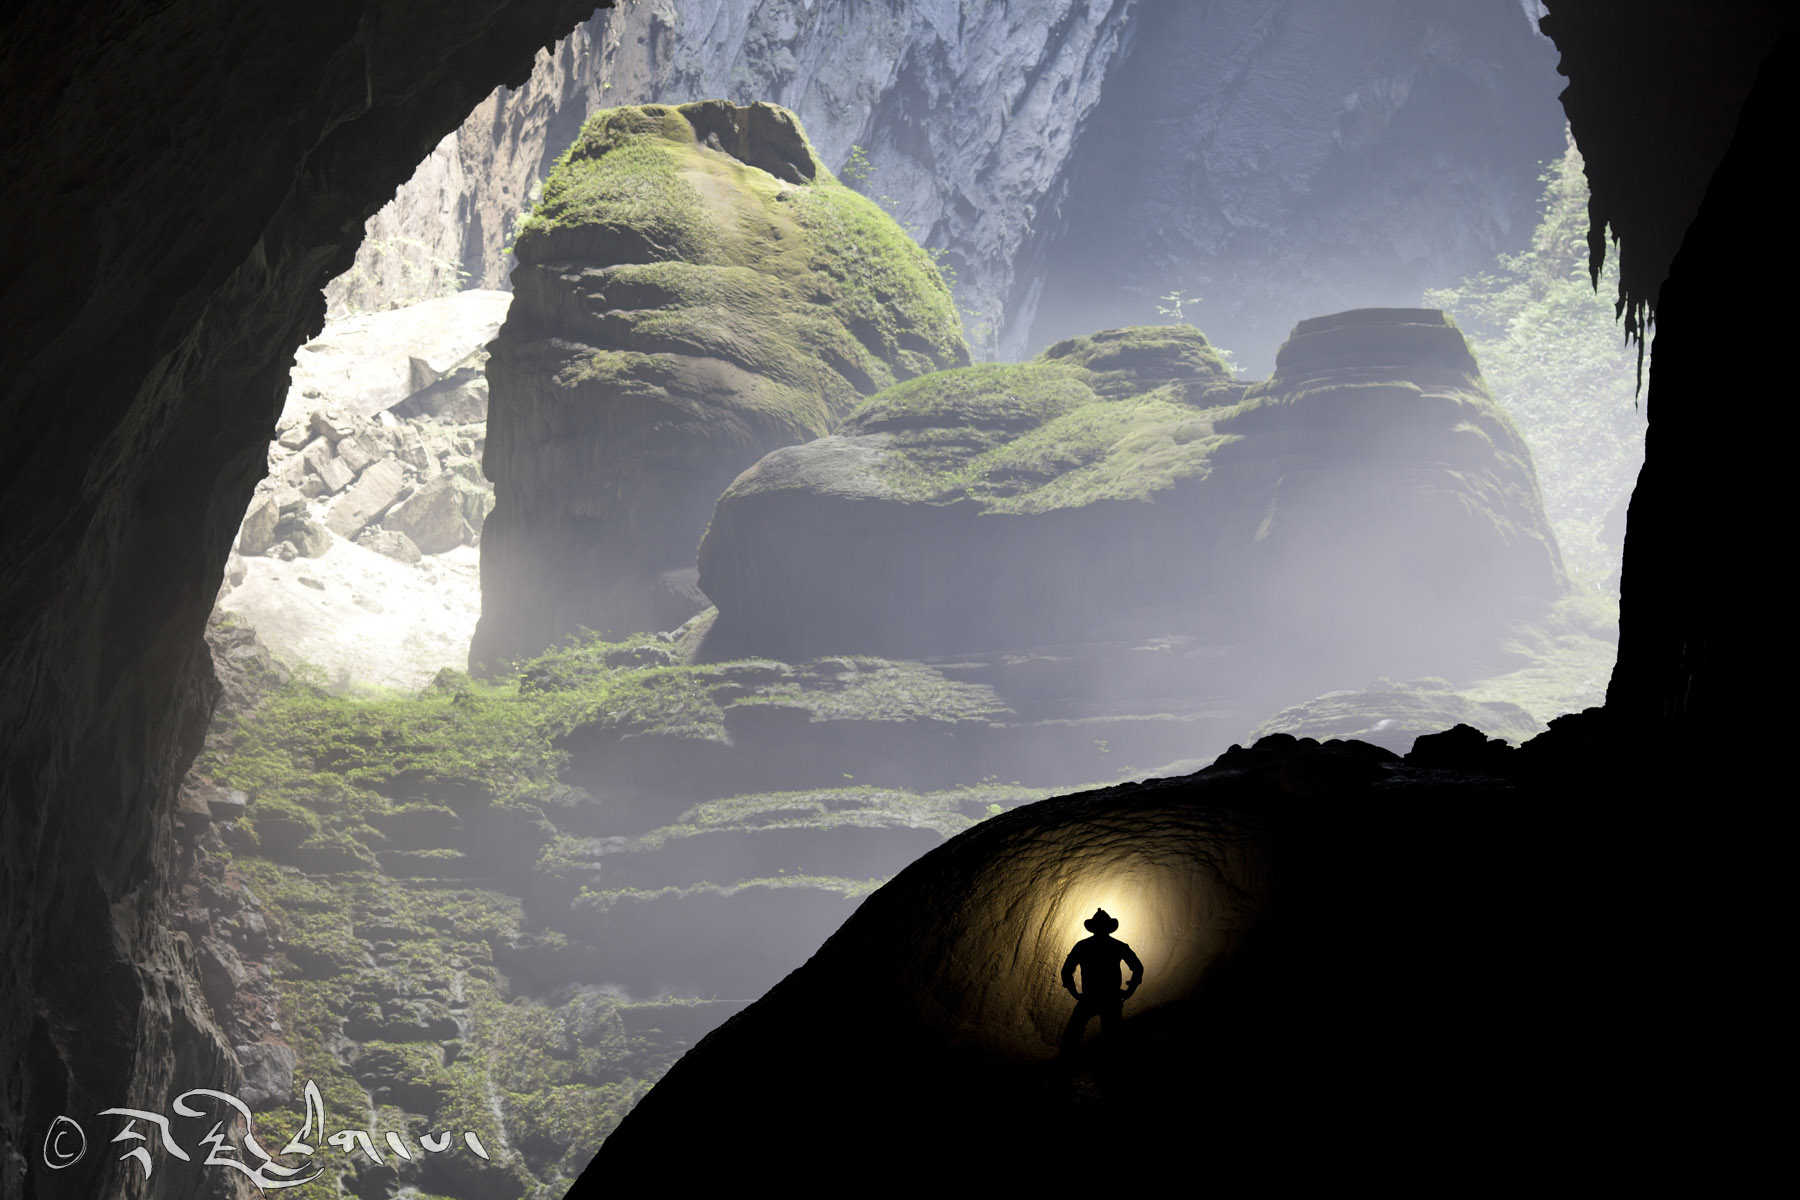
(1366, 507)
(1295, 978)
(205, 174)
(694, 291)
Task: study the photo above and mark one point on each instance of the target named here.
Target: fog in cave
(1028, 404)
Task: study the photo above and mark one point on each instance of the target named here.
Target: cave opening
(681, 826)
(565, 866)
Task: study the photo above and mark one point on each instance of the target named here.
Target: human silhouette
(1098, 957)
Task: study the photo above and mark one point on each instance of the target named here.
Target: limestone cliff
(1074, 161)
(695, 290)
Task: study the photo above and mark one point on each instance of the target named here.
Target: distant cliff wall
(1074, 162)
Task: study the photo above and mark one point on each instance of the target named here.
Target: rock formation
(357, 556)
(694, 291)
(1147, 147)
(175, 199)
(1293, 978)
(1367, 503)
(1415, 1027)
(208, 178)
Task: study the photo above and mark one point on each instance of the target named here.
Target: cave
(186, 177)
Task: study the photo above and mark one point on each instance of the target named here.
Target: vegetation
(1121, 415)
(1555, 358)
(812, 293)
(857, 168)
(408, 855)
(978, 326)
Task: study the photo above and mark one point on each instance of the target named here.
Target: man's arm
(1137, 969)
(1068, 975)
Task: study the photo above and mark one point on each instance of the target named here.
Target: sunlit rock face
(1272, 158)
(695, 290)
(1368, 504)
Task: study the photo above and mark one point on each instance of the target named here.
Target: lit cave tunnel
(1548, 964)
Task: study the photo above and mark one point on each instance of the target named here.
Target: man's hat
(1101, 922)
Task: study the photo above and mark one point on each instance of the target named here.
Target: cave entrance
(551, 882)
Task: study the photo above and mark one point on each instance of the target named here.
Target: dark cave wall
(1703, 219)
(182, 180)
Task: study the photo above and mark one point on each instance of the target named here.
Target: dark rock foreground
(1344, 977)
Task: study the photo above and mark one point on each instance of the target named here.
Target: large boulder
(695, 290)
(1368, 506)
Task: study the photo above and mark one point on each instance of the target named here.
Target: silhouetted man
(1098, 957)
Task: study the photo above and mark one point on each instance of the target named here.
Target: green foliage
(857, 168)
(1554, 356)
(948, 811)
(804, 297)
(977, 324)
(1173, 304)
(1566, 659)
(1118, 416)
(621, 183)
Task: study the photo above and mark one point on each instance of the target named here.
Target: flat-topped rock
(1368, 503)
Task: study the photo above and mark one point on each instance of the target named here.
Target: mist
(1016, 410)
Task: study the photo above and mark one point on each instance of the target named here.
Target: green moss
(999, 398)
(389, 958)
(622, 178)
(882, 286)
(596, 903)
(808, 290)
(1566, 659)
(948, 811)
(1141, 358)
(876, 689)
(1033, 437)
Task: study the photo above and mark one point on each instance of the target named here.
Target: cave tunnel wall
(1703, 223)
(182, 179)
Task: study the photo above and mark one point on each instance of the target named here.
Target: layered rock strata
(1367, 506)
(694, 291)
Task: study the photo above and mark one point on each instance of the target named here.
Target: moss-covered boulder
(694, 290)
(1367, 503)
